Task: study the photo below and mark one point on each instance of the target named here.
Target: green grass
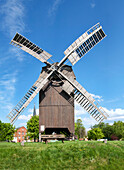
(76, 155)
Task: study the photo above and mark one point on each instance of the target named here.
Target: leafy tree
(33, 127)
(79, 129)
(108, 131)
(95, 134)
(1, 127)
(6, 131)
(118, 128)
(100, 125)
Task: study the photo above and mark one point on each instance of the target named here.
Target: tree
(95, 134)
(100, 125)
(118, 128)
(108, 131)
(79, 129)
(1, 127)
(6, 131)
(33, 127)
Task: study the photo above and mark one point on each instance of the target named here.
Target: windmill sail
(86, 100)
(31, 48)
(32, 92)
(84, 43)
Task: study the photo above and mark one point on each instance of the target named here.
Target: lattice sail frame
(29, 96)
(29, 47)
(84, 43)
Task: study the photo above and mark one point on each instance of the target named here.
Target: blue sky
(54, 25)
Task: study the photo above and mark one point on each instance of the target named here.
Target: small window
(19, 133)
(19, 137)
(22, 129)
(22, 137)
(22, 133)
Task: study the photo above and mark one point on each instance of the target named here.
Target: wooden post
(39, 137)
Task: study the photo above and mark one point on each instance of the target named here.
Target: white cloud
(92, 5)
(22, 124)
(7, 90)
(8, 83)
(116, 118)
(115, 112)
(89, 120)
(52, 10)
(87, 129)
(110, 123)
(79, 110)
(13, 15)
(97, 97)
(17, 53)
(24, 117)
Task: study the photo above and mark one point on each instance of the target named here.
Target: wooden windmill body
(56, 106)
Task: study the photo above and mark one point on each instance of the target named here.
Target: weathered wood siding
(54, 110)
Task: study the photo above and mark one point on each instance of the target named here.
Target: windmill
(57, 85)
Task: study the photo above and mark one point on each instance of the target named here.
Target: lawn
(56, 156)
